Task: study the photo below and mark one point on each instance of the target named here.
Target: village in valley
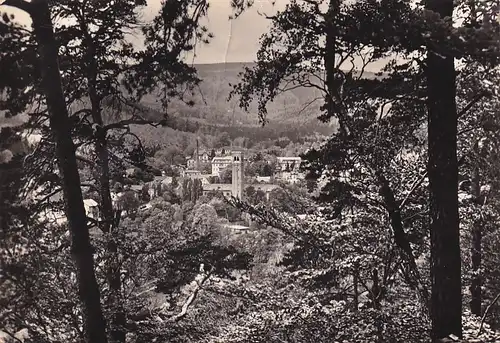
(227, 178)
(214, 174)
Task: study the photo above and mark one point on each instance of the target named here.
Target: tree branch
(191, 298)
(138, 121)
(474, 101)
(84, 159)
(488, 309)
(414, 186)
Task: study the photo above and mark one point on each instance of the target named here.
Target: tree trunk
(117, 318)
(446, 297)
(475, 287)
(376, 293)
(409, 266)
(82, 251)
(333, 78)
(355, 281)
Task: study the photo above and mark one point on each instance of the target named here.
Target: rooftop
(266, 187)
(293, 158)
(222, 158)
(217, 187)
(89, 202)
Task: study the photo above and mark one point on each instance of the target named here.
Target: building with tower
(237, 186)
(238, 177)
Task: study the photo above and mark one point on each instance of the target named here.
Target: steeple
(238, 179)
(197, 158)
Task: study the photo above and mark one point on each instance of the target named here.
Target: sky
(234, 40)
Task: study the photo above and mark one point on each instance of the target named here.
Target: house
(288, 169)
(204, 156)
(220, 163)
(221, 152)
(235, 228)
(264, 187)
(263, 179)
(290, 177)
(91, 208)
(191, 163)
(288, 163)
(225, 188)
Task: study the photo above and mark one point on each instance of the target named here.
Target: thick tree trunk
(333, 78)
(475, 287)
(82, 251)
(446, 297)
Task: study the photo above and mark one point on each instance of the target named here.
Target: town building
(237, 186)
(289, 163)
(91, 208)
(263, 179)
(288, 169)
(222, 152)
(191, 164)
(220, 163)
(204, 156)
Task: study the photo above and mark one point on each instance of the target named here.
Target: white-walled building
(237, 186)
(91, 208)
(220, 163)
(191, 164)
(289, 163)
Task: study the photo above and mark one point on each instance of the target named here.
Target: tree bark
(476, 244)
(82, 251)
(355, 281)
(333, 78)
(117, 317)
(446, 296)
(475, 287)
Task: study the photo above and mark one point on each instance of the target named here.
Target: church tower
(238, 178)
(197, 158)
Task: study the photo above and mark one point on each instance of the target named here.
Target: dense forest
(391, 235)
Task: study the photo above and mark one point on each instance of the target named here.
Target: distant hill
(293, 113)
(212, 106)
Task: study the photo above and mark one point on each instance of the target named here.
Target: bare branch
(191, 298)
(84, 159)
(474, 101)
(414, 186)
(488, 309)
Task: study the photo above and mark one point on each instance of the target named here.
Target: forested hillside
(212, 105)
(293, 115)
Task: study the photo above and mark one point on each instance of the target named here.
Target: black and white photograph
(249, 171)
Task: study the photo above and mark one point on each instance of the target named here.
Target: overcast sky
(234, 41)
